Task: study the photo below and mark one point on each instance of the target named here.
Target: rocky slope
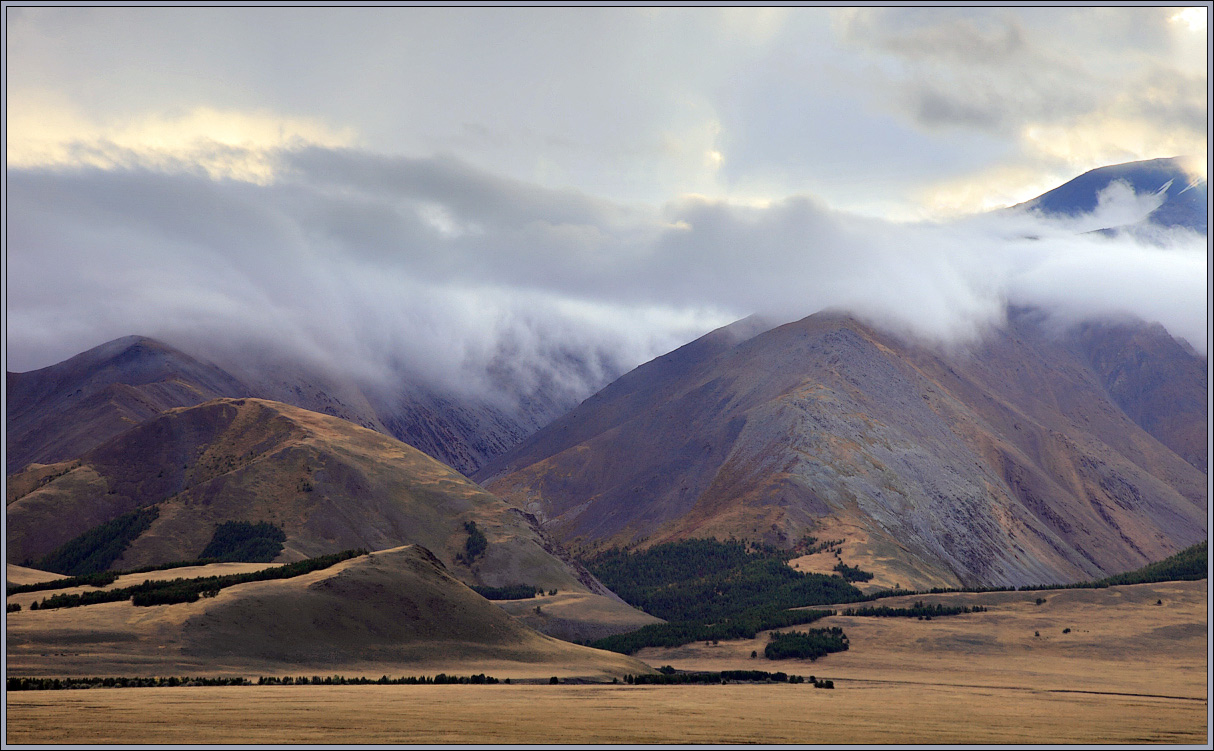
(1012, 462)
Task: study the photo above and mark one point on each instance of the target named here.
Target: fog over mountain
(430, 270)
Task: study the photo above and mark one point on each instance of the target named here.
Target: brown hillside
(329, 484)
(396, 612)
(1008, 463)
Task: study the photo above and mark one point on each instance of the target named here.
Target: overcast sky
(422, 184)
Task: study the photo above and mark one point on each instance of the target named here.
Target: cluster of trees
(808, 545)
(708, 580)
(190, 590)
(95, 550)
(851, 573)
(811, 644)
(246, 542)
(508, 592)
(669, 677)
(741, 626)
(103, 579)
(474, 546)
(710, 590)
(918, 610)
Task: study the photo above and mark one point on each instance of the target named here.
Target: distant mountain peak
(1184, 197)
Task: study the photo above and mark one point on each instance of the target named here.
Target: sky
(427, 188)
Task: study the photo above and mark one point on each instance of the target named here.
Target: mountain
(1185, 200)
(328, 484)
(1012, 462)
(395, 612)
(61, 411)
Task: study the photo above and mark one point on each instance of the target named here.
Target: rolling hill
(329, 484)
(397, 612)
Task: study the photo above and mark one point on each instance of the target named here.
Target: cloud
(1062, 90)
(391, 269)
(862, 107)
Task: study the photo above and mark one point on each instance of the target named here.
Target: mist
(388, 269)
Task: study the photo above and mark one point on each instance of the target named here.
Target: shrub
(852, 574)
(476, 543)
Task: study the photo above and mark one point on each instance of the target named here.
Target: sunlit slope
(395, 612)
(329, 484)
(1005, 463)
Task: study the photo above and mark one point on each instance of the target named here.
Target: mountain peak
(1184, 198)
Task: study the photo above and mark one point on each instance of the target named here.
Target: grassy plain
(1129, 671)
(777, 713)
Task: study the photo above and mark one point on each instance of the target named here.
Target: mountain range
(1040, 453)
(1011, 463)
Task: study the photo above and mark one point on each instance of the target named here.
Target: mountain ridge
(826, 424)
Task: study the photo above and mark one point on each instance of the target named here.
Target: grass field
(1129, 671)
(855, 712)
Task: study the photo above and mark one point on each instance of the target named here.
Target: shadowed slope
(61, 411)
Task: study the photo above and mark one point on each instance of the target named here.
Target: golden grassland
(1129, 671)
(775, 713)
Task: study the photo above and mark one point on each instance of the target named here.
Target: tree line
(172, 591)
(918, 610)
(668, 676)
(62, 684)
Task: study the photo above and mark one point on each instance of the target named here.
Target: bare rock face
(1012, 462)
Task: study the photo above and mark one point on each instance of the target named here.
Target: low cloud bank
(390, 268)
